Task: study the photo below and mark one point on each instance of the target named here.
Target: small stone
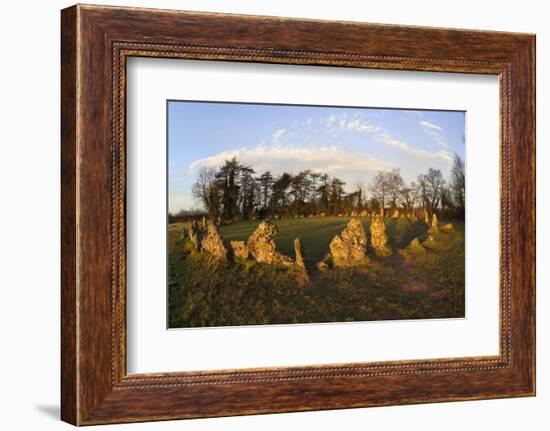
(395, 214)
(364, 213)
(447, 228)
(213, 243)
(379, 239)
(240, 249)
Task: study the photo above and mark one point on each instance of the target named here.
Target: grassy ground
(410, 284)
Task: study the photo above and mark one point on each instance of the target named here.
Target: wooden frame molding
(95, 43)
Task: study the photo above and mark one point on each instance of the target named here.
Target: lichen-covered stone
(300, 261)
(213, 242)
(379, 239)
(240, 249)
(195, 234)
(262, 246)
(415, 245)
(351, 245)
(446, 228)
(434, 226)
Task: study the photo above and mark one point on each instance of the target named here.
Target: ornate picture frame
(96, 41)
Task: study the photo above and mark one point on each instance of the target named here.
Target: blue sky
(350, 143)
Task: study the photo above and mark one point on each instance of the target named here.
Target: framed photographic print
(265, 214)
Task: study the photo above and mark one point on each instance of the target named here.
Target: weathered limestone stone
(323, 264)
(364, 213)
(322, 215)
(379, 239)
(434, 226)
(426, 217)
(195, 234)
(415, 245)
(204, 222)
(240, 249)
(446, 228)
(213, 242)
(300, 262)
(262, 247)
(382, 212)
(351, 245)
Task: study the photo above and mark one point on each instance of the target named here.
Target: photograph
(289, 214)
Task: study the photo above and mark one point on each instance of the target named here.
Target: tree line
(235, 191)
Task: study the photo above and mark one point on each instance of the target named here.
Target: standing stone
(204, 222)
(415, 245)
(195, 234)
(213, 242)
(240, 249)
(395, 214)
(300, 262)
(322, 215)
(379, 239)
(434, 223)
(426, 217)
(382, 211)
(447, 228)
(262, 246)
(364, 213)
(351, 245)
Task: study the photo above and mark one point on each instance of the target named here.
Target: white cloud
(416, 152)
(278, 159)
(435, 131)
(277, 134)
(359, 126)
(428, 125)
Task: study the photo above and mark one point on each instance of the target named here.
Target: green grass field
(410, 284)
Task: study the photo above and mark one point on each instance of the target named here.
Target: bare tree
(386, 187)
(435, 183)
(207, 192)
(458, 182)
